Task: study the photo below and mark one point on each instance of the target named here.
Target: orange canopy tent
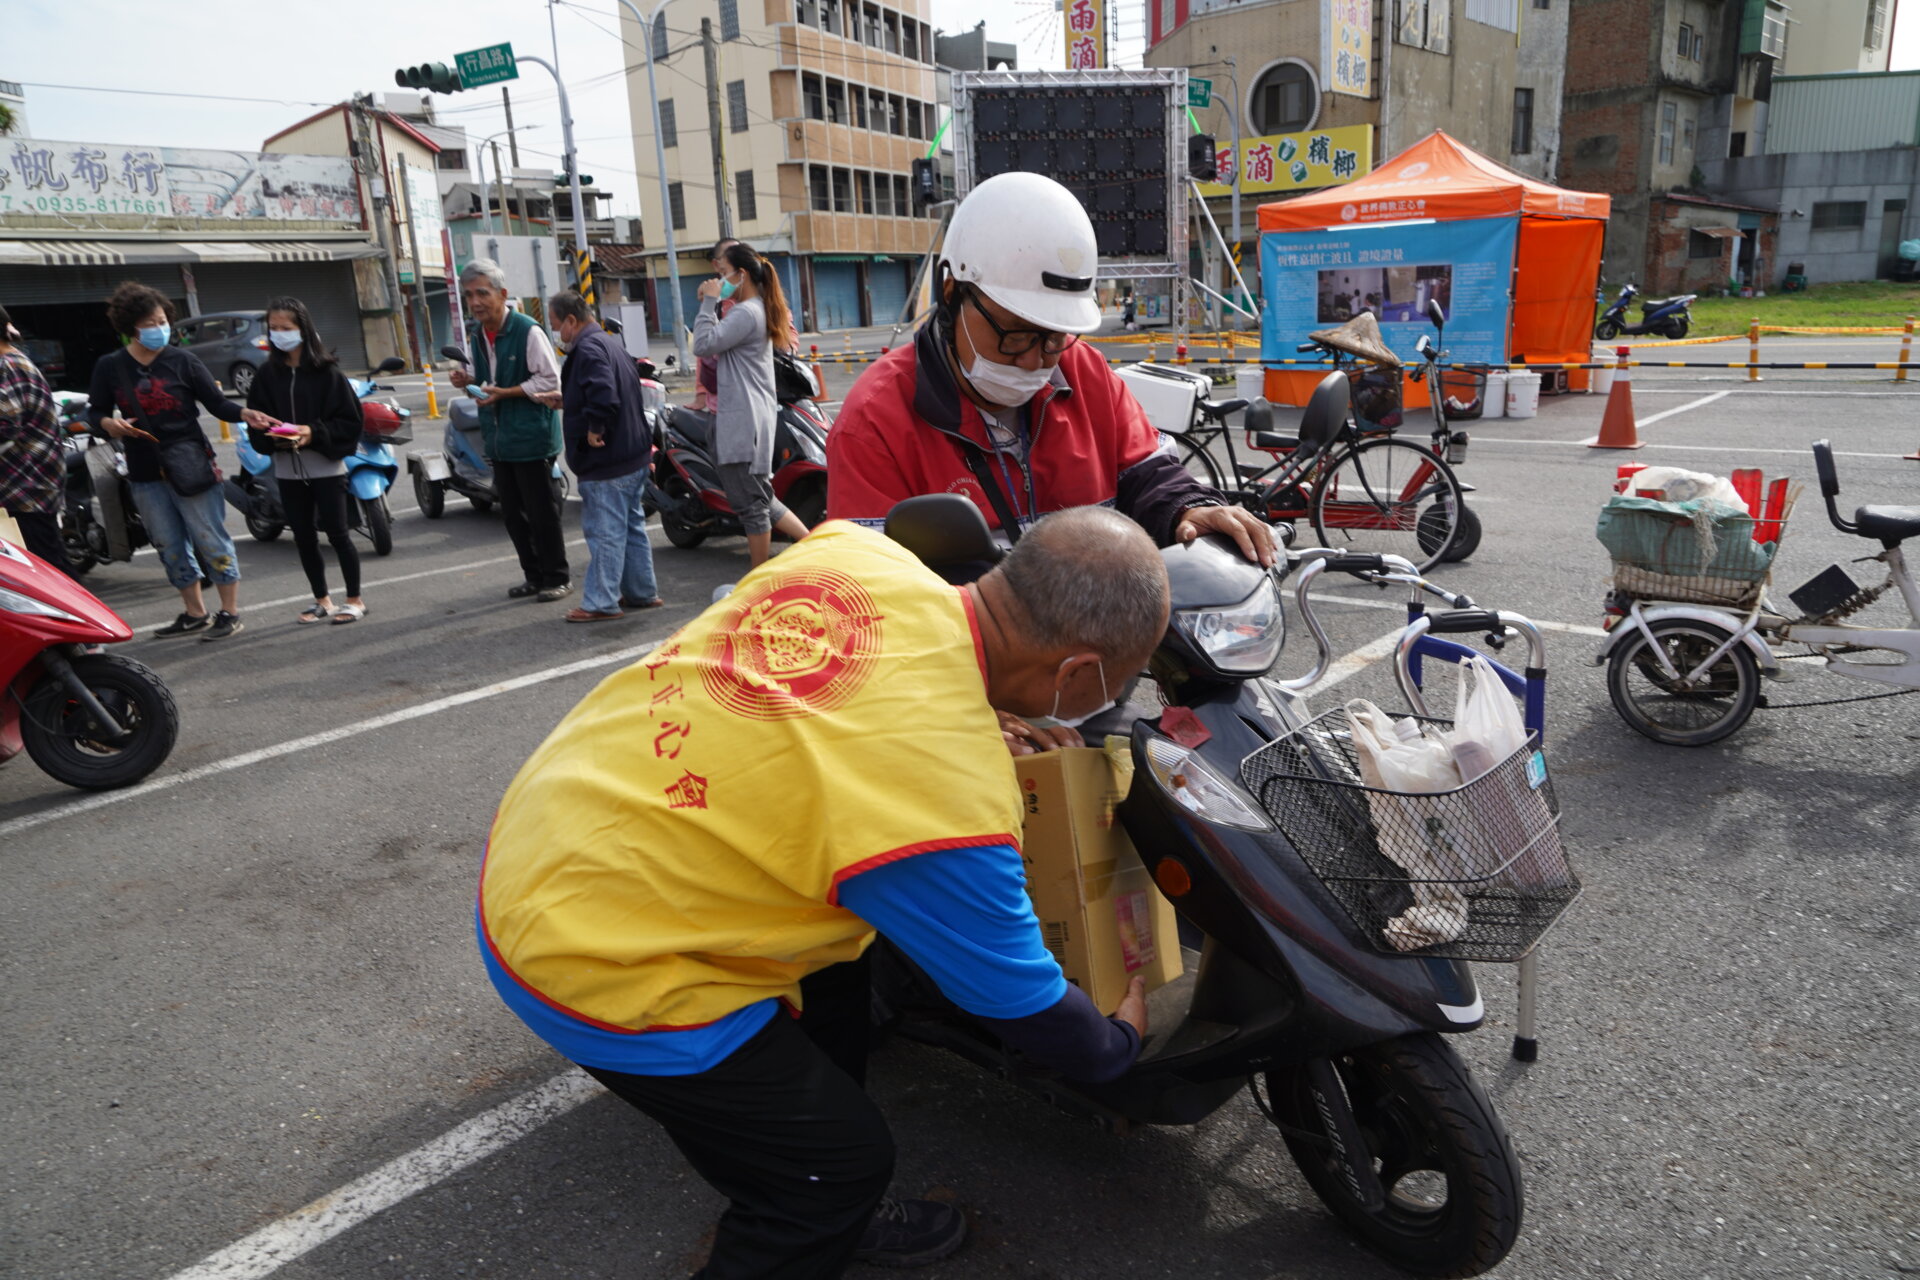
(1556, 264)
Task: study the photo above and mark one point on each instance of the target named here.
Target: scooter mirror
(392, 364)
(1435, 314)
(454, 354)
(1424, 347)
(945, 530)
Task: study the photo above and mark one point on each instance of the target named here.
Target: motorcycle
(1337, 1036)
(98, 519)
(91, 720)
(460, 464)
(683, 482)
(255, 492)
(1668, 317)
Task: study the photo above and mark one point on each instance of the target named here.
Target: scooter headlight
(14, 602)
(1242, 639)
(1194, 784)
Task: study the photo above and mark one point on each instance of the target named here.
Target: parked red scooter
(92, 720)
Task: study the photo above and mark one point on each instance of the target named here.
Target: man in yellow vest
(682, 880)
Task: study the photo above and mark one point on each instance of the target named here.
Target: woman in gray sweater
(741, 346)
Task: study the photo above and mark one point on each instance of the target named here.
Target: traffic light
(563, 179)
(925, 184)
(436, 77)
(1200, 158)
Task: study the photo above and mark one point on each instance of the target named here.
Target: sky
(286, 62)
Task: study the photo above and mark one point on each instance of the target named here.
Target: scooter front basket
(1474, 873)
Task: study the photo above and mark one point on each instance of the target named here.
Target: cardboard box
(1099, 911)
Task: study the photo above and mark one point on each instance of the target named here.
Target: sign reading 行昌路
(1199, 92)
(490, 65)
(1295, 161)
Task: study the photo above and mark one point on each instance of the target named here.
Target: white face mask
(1007, 384)
(1077, 721)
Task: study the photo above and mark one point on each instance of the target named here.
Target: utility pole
(712, 51)
(679, 327)
(500, 186)
(513, 143)
(572, 156)
(375, 174)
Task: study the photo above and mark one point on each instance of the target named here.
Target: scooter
(683, 483)
(255, 492)
(98, 519)
(1668, 317)
(1338, 1037)
(460, 464)
(91, 720)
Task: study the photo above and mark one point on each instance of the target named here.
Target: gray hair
(1089, 578)
(485, 269)
(568, 305)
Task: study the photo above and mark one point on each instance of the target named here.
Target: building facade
(821, 107)
(1840, 35)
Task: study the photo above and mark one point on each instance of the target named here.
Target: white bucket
(1600, 381)
(1523, 393)
(1495, 399)
(1249, 384)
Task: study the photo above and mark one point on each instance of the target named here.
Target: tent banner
(1321, 279)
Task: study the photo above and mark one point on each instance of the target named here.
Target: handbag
(186, 465)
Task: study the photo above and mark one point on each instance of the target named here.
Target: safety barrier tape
(1780, 328)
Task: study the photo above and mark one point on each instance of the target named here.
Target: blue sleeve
(963, 916)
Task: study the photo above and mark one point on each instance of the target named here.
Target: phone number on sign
(81, 204)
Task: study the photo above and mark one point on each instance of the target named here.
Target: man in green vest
(513, 361)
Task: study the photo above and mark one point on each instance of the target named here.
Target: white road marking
(1351, 664)
(1325, 596)
(74, 808)
(1691, 448)
(306, 1229)
(1668, 413)
(1640, 389)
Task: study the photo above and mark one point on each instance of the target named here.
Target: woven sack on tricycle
(1698, 550)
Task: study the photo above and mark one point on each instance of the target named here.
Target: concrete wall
(1831, 36)
(1467, 91)
(1542, 67)
(1798, 182)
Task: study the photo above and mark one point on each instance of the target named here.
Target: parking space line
(1690, 448)
(306, 1229)
(87, 804)
(1334, 597)
(1668, 413)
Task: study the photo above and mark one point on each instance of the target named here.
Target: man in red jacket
(999, 400)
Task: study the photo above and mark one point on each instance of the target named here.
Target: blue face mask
(727, 287)
(155, 338)
(285, 339)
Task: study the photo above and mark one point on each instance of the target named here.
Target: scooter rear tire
(379, 522)
(263, 530)
(431, 495)
(1453, 1196)
(1606, 331)
(52, 722)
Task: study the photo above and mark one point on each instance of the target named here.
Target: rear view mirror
(1435, 314)
(392, 364)
(1327, 411)
(454, 354)
(1424, 347)
(947, 532)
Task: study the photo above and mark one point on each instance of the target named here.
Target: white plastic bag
(1403, 757)
(1487, 727)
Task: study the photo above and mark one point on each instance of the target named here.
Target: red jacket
(899, 435)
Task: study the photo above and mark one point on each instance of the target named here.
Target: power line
(166, 93)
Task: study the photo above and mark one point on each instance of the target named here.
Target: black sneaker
(548, 595)
(224, 625)
(911, 1233)
(184, 623)
(524, 590)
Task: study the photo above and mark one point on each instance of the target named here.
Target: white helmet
(1025, 241)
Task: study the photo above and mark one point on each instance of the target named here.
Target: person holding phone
(315, 424)
(145, 394)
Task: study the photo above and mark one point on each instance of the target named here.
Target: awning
(113, 253)
(1718, 233)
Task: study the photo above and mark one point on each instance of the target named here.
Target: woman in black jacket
(302, 389)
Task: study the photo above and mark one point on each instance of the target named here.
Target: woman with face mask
(146, 394)
(313, 424)
(741, 344)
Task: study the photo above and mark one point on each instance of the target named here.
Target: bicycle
(1683, 663)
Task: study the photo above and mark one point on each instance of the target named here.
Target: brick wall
(1607, 124)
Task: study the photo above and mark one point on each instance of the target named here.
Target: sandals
(316, 613)
(349, 613)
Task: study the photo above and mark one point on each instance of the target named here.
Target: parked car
(232, 344)
(49, 355)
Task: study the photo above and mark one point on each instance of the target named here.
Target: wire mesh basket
(1475, 873)
(1663, 553)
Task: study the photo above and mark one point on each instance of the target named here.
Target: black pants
(320, 506)
(784, 1130)
(40, 530)
(533, 520)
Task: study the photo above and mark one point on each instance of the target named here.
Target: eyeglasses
(1017, 342)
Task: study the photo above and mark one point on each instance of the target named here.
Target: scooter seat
(1888, 524)
(697, 427)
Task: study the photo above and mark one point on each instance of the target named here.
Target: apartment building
(821, 106)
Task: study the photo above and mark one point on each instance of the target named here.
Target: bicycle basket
(1688, 551)
(1376, 400)
(1476, 873)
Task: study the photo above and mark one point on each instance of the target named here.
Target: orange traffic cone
(1617, 428)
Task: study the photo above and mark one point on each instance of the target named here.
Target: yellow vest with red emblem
(672, 852)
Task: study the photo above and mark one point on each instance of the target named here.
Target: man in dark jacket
(608, 447)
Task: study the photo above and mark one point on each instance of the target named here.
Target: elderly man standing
(513, 362)
(608, 445)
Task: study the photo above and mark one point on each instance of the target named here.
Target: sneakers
(911, 1233)
(183, 624)
(524, 590)
(548, 595)
(224, 625)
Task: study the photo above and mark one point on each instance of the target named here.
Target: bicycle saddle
(1891, 525)
(1219, 409)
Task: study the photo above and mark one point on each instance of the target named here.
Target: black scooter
(683, 483)
(99, 522)
(1338, 1038)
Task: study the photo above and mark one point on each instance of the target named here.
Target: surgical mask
(156, 337)
(1077, 721)
(1007, 384)
(727, 287)
(285, 339)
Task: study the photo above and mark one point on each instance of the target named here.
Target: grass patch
(1871, 302)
